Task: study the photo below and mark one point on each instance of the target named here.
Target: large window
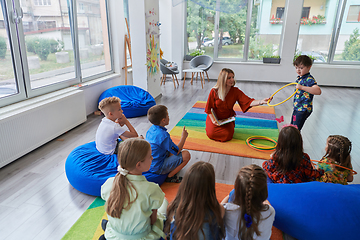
(329, 29)
(238, 32)
(43, 50)
(331, 33)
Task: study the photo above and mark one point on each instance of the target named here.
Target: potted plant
(298, 53)
(195, 53)
(272, 59)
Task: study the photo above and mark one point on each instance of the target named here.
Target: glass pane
(265, 29)
(316, 30)
(49, 48)
(93, 37)
(8, 85)
(348, 45)
(200, 29)
(232, 33)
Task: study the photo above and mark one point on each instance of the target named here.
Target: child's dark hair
(195, 202)
(131, 151)
(338, 149)
(157, 113)
(304, 60)
(250, 193)
(289, 149)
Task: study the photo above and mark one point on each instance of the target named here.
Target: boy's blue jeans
(299, 118)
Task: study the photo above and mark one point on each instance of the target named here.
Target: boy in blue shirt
(167, 156)
(307, 86)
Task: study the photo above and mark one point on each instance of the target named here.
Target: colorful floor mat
(88, 226)
(258, 121)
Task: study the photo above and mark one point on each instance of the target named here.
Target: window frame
(19, 55)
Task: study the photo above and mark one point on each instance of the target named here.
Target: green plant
(298, 53)
(352, 47)
(3, 47)
(30, 44)
(271, 56)
(42, 48)
(258, 49)
(197, 52)
(54, 45)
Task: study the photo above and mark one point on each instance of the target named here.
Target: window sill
(32, 102)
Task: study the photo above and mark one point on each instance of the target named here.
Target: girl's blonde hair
(195, 203)
(130, 152)
(338, 149)
(250, 193)
(221, 82)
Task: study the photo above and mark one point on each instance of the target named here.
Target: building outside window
(41, 53)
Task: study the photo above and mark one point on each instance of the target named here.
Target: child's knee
(186, 156)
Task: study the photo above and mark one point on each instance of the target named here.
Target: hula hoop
(262, 147)
(273, 105)
(354, 172)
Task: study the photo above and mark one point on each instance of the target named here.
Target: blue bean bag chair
(135, 101)
(87, 169)
(316, 210)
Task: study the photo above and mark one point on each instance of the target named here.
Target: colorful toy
(273, 105)
(260, 147)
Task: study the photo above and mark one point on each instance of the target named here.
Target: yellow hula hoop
(268, 102)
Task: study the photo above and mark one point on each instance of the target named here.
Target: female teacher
(222, 99)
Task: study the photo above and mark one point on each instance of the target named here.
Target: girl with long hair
(289, 163)
(338, 150)
(221, 101)
(135, 207)
(248, 215)
(195, 212)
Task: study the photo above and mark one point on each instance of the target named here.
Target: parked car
(206, 39)
(225, 41)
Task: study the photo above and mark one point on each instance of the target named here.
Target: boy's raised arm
(184, 135)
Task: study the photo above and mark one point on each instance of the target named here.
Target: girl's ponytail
(131, 151)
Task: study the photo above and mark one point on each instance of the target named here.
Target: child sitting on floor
(111, 126)
(168, 157)
(289, 163)
(195, 212)
(248, 215)
(135, 207)
(338, 150)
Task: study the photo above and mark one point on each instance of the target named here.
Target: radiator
(38, 121)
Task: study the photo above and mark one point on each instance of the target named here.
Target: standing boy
(167, 156)
(111, 126)
(307, 88)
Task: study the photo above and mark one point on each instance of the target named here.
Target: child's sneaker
(173, 179)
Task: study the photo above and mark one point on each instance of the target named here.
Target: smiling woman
(221, 100)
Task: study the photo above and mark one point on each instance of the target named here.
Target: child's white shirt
(106, 136)
(232, 214)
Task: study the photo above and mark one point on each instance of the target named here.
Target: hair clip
(122, 171)
(248, 220)
(290, 125)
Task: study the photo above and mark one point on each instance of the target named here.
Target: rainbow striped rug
(258, 121)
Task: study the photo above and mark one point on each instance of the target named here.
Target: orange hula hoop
(354, 172)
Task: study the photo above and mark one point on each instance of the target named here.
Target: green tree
(199, 22)
(352, 47)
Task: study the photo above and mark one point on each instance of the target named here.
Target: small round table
(193, 71)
